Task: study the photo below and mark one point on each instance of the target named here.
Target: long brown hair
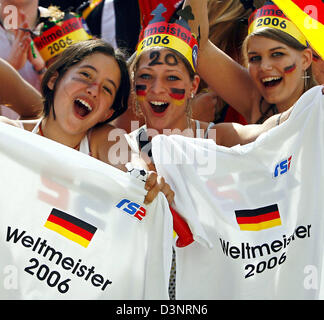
(75, 54)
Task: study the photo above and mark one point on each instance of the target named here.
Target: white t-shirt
(73, 227)
(256, 211)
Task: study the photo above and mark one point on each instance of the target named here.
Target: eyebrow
(152, 69)
(272, 49)
(93, 68)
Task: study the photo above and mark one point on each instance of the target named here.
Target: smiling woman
(163, 88)
(280, 67)
(83, 96)
(165, 83)
(277, 60)
(86, 87)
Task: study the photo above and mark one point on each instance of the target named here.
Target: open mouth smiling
(271, 81)
(82, 107)
(159, 106)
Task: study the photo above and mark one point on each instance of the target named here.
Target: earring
(192, 95)
(305, 77)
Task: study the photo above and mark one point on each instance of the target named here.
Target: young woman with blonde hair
(278, 62)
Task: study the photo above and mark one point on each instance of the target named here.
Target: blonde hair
(228, 25)
(227, 30)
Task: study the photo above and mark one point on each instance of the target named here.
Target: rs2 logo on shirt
(132, 208)
(282, 167)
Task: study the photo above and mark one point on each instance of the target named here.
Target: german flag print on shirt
(258, 219)
(70, 227)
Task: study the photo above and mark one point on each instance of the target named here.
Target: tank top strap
(85, 144)
(211, 124)
(199, 132)
(35, 130)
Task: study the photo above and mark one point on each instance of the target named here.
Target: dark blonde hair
(227, 30)
(75, 54)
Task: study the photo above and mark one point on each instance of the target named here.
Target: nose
(157, 86)
(93, 89)
(266, 64)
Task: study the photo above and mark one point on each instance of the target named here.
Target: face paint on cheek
(178, 96)
(140, 91)
(290, 69)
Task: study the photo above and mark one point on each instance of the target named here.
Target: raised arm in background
(18, 94)
(228, 78)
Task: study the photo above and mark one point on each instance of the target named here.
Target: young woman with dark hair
(87, 86)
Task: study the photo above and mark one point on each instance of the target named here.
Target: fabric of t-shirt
(256, 211)
(73, 227)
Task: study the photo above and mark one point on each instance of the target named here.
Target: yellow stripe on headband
(58, 46)
(89, 9)
(167, 41)
(278, 23)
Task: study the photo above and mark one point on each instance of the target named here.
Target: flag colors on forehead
(258, 219)
(70, 227)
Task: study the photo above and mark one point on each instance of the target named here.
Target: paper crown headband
(176, 36)
(270, 16)
(58, 31)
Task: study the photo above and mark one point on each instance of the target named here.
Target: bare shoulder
(109, 145)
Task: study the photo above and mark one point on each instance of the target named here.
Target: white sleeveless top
(84, 144)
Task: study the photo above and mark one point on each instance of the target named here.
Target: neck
(285, 105)
(184, 128)
(49, 129)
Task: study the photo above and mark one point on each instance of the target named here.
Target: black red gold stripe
(70, 227)
(258, 219)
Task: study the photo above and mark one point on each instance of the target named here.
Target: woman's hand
(154, 184)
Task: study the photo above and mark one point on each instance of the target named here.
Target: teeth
(270, 79)
(158, 103)
(85, 103)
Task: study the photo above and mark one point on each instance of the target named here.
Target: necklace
(42, 134)
(264, 115)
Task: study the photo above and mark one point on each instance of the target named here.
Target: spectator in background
(16, 44)
(115, 21)
(227, 30)
(58, 31)
(121, 21)
(63, 5)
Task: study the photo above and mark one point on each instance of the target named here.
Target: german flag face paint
(178, 96)
(140, 91)
(290, 69)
